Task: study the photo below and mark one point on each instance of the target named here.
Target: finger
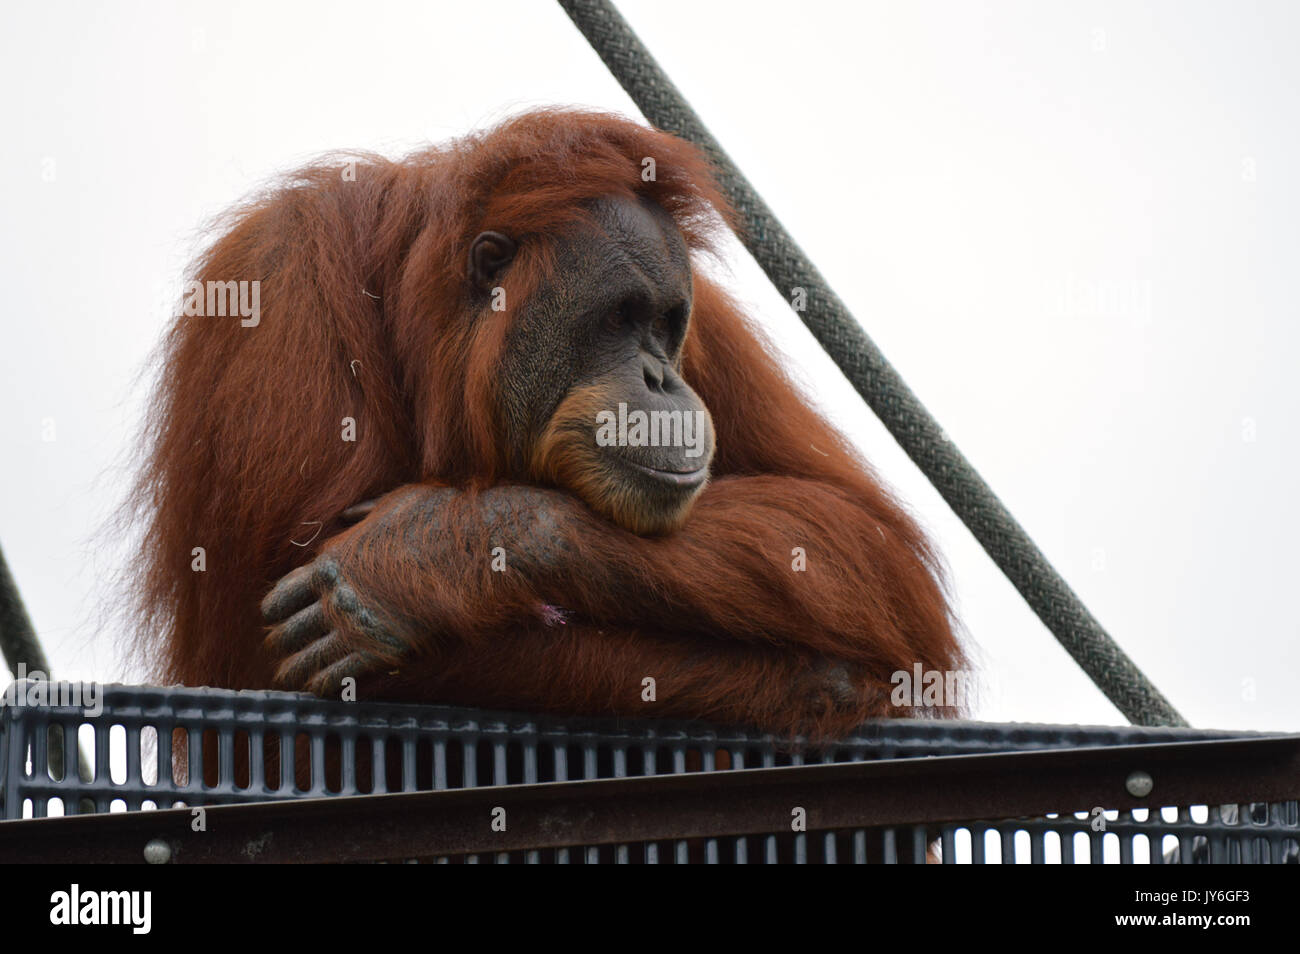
(303, 627)
(358, 512)
(298, 589)
(291, 594)
(329, 681)
(345, 602)
(302, 666)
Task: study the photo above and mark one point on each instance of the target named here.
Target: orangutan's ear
(489, 254)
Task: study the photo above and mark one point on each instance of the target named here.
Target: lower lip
(684, 480)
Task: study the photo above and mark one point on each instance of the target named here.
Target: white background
(1071, 227)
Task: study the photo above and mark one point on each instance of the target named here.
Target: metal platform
(620, 791)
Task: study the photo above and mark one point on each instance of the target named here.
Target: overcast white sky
(1069, 225)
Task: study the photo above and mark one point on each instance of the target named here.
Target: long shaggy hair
(364, 305)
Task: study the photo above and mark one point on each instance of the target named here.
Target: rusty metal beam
(669, 807)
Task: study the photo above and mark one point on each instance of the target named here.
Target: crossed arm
(780, 603)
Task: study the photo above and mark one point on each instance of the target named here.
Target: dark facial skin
(608, 331)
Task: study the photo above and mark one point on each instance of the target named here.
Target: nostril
(654, 375)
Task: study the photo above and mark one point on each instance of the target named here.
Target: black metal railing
(372, 781)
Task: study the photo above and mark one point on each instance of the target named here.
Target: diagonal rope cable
(22, 652)
(880, 385)
(19, 643)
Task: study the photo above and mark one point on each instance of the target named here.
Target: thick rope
(20, 646)
(18, 641)
(880, 385)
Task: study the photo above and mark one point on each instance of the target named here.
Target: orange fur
(366, 314)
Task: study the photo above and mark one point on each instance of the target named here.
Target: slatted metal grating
(363, 748)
